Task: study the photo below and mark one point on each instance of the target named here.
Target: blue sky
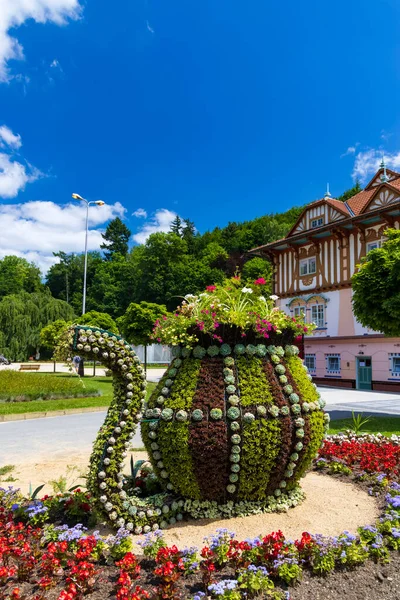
(216, 110)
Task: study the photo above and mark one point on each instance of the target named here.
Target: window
(317, 222)
(332, 363)
(298, 311)
(318, 315)
(374, 245)
(310, 362)
(308, 266)
(396, 364)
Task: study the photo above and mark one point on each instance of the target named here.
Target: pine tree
(176, 226)
(116, 237)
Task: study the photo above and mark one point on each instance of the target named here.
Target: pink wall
(378, 349)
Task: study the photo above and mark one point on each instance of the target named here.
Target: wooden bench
(29, 367)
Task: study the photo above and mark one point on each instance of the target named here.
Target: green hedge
(24, 387)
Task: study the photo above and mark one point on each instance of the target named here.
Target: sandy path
(330, 507)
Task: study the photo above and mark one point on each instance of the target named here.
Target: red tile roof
(359, 201)
(337, 204)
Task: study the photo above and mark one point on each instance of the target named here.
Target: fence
(156, 353)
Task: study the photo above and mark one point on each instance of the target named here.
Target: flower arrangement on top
(229, 313)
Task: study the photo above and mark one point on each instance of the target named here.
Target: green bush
(24, 387)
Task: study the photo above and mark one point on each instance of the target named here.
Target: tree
(350, 192)
(376, 287)
(50, 335)
(137, 323)
(255, 268)
(116, 237)
(98, 319)
(65, 279)
(176, 226)
(18, 275)
(23, 316)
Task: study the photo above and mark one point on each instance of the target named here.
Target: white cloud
(368, 162)
(350, 150)
(34, 230)
(140, 213)
(13, 13)
(8, 138)
(14, 174)
(161, 221)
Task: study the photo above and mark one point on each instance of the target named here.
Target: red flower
(260, 281)
(211, 288)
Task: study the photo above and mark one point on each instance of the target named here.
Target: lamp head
(77, 197)
(99, 203)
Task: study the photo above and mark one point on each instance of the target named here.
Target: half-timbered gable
(318, 214)
(312, 270)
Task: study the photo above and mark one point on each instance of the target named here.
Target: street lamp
(98, 203)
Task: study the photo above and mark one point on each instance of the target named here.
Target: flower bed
(40, 561)
(23, 387)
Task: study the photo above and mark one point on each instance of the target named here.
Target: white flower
(129, 526)
(274, 297)
(108, 506)
(246, 290)
(102, 475)
(107, 461)
(113, 516)
(103, 485)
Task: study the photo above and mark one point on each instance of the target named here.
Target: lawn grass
(25, 387)
(104, 384)
(385, 425)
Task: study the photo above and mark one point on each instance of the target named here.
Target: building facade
(312, 270)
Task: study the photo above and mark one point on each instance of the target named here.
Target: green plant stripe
(260, 446)
(252, 382)
(307, 391)
(184, 385)
(173, 439)
(315, 431)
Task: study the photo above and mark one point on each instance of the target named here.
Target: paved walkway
(340, 403)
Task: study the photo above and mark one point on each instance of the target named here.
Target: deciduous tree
(376, 287)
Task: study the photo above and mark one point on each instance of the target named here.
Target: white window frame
(311, 359)
(305, 262)
(319, 319)
(298, 311)
(330, 369)
(394, 364)
(317, 222)
(374, 245)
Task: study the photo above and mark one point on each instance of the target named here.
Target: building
(312, 269)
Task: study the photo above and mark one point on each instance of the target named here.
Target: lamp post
(97, 203)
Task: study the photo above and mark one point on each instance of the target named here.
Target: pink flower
(260, 281)
(211, 288)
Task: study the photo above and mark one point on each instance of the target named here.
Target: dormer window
(308, 266)
(317, 222)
